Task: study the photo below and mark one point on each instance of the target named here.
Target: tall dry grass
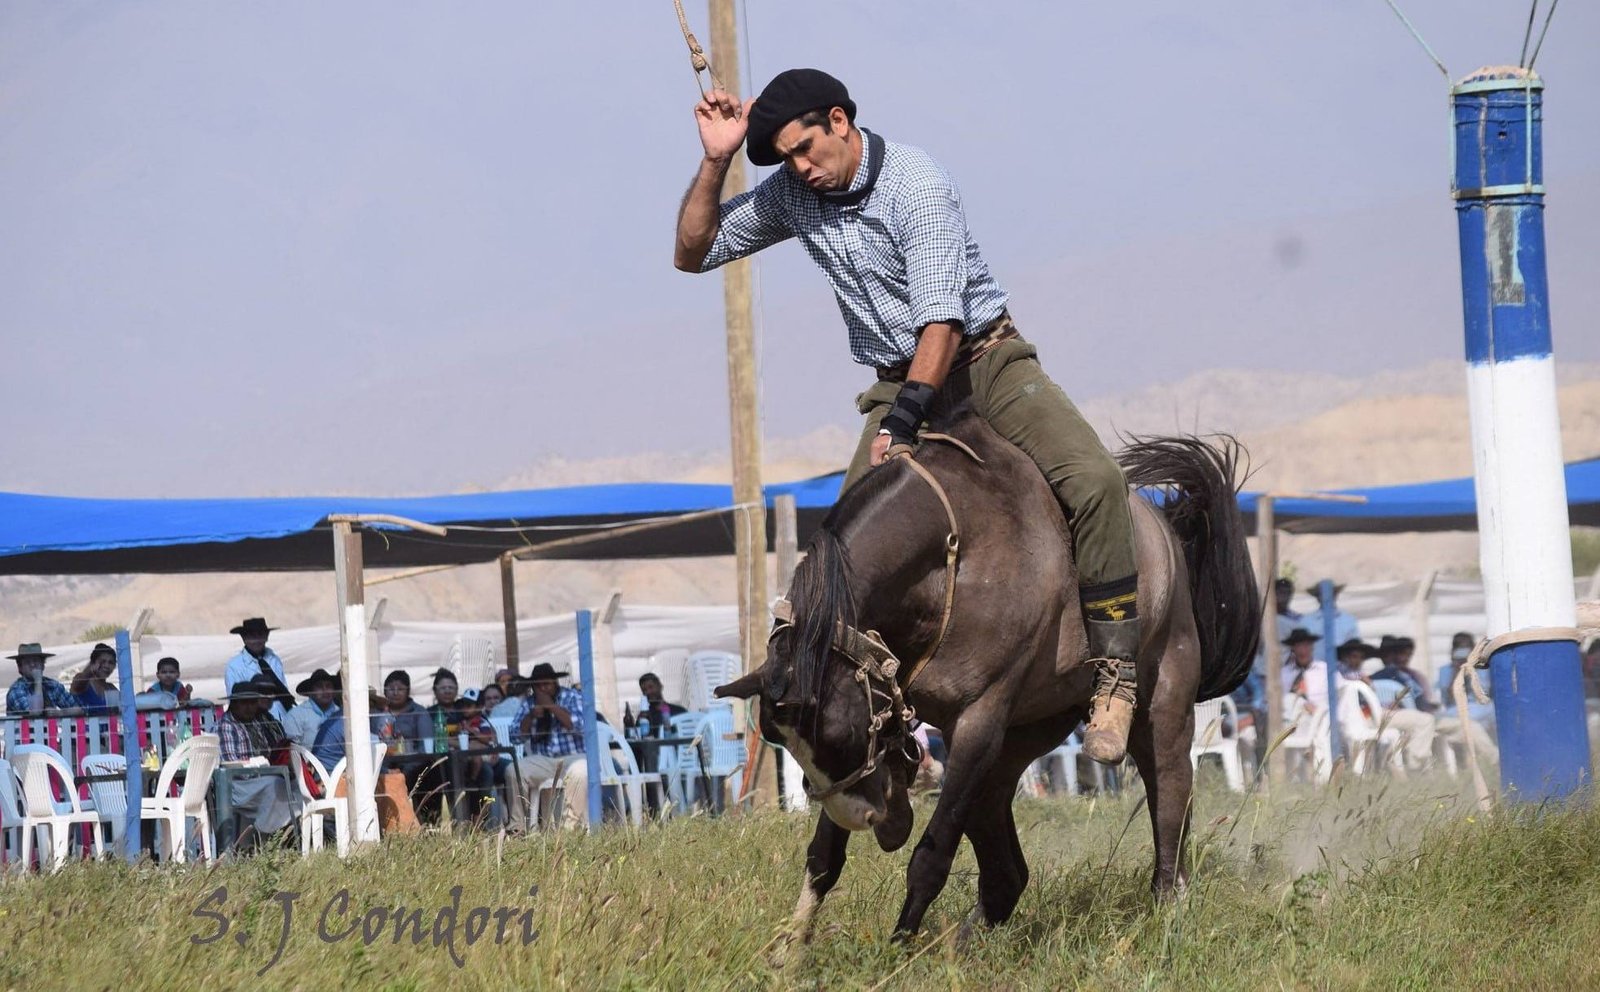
(1366, 886)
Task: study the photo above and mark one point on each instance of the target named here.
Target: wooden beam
(786, 541)
(1267, 574)
(353, 662)
(508, 612)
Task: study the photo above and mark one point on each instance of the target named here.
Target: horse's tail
(1194, 479)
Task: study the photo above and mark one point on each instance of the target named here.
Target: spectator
(516, 692)
(328, 745)
(33, 693)
(254, 661)
(551, 725)
(248, 730)
(483, 772)
(1305, 676)
(1352, 654)
(1591, 670)
(1396, 653)
(409, 722)
(1416, 728)
(503, 678)
(92, 687)
(491, 697)
(1345, 627)
(167, 680)
(1461, 646)
(320, 690)
(655, 709)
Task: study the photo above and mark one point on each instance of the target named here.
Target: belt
(972, 348)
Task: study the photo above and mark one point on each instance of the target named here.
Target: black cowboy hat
(790, 94)
(27, 652)
(1284, 584)
(1316, 590)
(256, 688)
(1357, 645)
(544, 671)
(311, 681)
(1300, 635)
(1396, 644)
(254, 625)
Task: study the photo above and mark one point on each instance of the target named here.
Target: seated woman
(405, 726)
(91, 687)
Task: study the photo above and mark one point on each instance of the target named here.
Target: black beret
(790, 94)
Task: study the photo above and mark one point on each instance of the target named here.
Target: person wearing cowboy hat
(320, 689)
(33, 693)
(255, 660)
(551, 728)
(247, 730)
(1305, 676)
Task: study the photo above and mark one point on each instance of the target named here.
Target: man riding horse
(886, 225)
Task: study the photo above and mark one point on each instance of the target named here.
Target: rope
(697, 55)
(1527, 34)
(1416, 35)
(1468, 673)
(1542, 32)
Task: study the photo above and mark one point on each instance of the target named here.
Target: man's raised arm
(722, 122)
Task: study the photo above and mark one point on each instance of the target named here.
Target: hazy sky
(284, 247)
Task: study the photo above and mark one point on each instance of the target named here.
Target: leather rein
(877, 668)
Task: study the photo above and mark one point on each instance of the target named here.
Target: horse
(959, 556)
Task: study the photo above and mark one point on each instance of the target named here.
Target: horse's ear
(743, 687)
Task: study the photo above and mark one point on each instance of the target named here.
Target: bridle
(876, 667)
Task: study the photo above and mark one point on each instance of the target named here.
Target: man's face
(821, 155)
(246, 709)
(1282, 595)
(30, 667)
(1351, 660)
(167, 675)
(651, 689)
(545, 688)
(322, 694)
(1402, 657)
(1300, 651)
(255, 643)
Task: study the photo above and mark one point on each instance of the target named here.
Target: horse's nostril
(872, 817)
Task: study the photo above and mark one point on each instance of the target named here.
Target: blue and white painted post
(1524, 544)
(134, 780)
(591, 718)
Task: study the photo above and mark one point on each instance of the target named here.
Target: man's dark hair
(821, 118)
(168, 661)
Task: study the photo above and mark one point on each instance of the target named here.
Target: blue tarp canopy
(1450, 504)
(54, 535)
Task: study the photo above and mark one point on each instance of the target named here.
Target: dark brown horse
(1006, 681)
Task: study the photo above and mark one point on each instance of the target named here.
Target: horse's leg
(973, 751)
(824, 863)
(992, 827)
(1160, 747)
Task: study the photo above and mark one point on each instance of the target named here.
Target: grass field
(1364, 886)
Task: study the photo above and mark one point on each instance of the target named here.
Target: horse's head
(857, 772)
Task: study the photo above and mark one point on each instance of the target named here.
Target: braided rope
(697, 55)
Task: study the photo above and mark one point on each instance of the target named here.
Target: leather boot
(1113, 646)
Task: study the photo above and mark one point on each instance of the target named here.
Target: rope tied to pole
(697, 55)
(1467, 675)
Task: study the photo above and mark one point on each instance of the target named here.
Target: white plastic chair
(201, 754)
(1307, 738)
(472, 659)
(10, 815)
(613, 751)
(1361, 730)
(707, 670)
(36, 767)
(1209, 718)
(313, 809)
(110, 798)
(717, 754)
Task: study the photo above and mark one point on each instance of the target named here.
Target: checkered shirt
(19, 698)
(553, 740)
(898, 261)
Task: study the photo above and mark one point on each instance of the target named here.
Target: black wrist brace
(909, 411)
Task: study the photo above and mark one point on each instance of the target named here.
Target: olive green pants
(1011, 391)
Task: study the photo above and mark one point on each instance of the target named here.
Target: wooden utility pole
(750, 522)
(508, 612)
(1267, 548)
(750, 525)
